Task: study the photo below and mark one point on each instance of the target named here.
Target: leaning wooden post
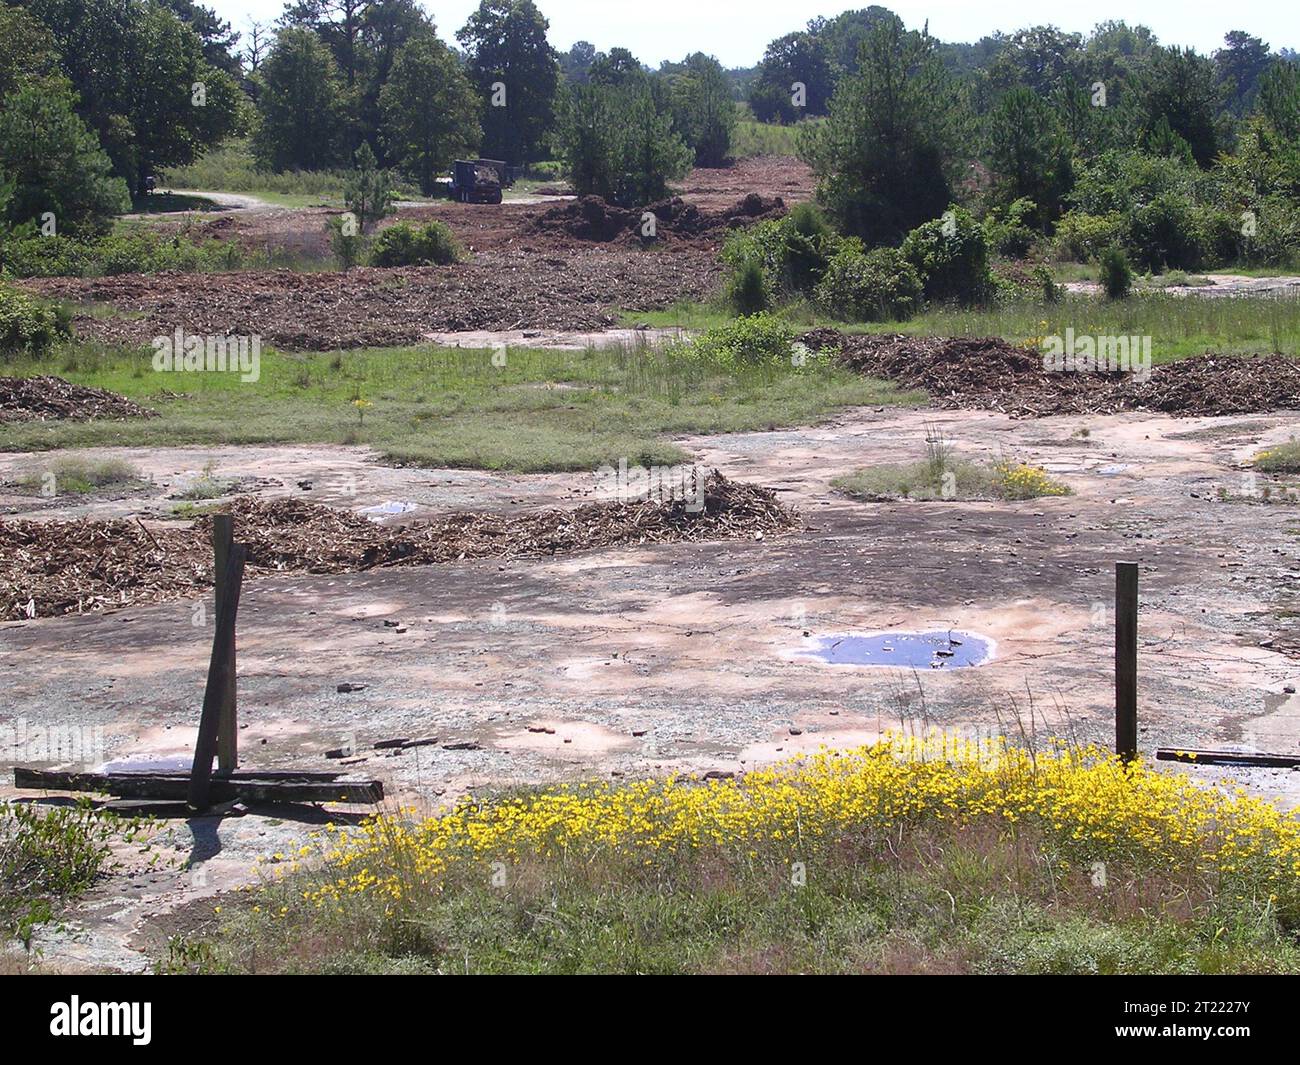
(220, 677)
(223, 535)
(1126, 650)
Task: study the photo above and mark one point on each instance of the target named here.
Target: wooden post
(220, 677)
(223, 534)
(1126, 619)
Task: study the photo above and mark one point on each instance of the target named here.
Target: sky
(737, 31)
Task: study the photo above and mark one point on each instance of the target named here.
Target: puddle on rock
(942, 649)
(181, 763)
(384, 510)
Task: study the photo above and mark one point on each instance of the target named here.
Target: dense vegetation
(1057, 144)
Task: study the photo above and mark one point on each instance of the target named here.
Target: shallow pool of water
(181, 763)
(384, 510)
(943, 649)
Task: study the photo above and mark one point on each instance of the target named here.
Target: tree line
(102, 94)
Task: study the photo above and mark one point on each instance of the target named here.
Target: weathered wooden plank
(220, 678)
(1195, 757)
(221, 789)
(1126, 660)
(223, 538)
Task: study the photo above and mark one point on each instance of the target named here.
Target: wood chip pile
(987, 373)
(24, 399)
(66, 567)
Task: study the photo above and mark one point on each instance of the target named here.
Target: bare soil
(528, 269)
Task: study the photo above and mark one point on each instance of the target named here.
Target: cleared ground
(644, 659)
(687, 658)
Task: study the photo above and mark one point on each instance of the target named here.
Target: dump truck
(477, 180)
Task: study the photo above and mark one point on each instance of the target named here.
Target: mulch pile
(27, 399)
(68, 567)
(579, 288)
(591, 218)
(988, 373)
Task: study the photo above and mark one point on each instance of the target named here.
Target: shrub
(406, 244)
(1008, 231)
(1277, 238)
(792, 252)
(46, 857)
(753, 340)
(1162, 234)
(28, 326)
(125, 252)
(1116, 275)
(809, 242)
(951, 256)
(1083, 237)
(1218, 234)
(879, 285)
(346, 241)
(748, 291)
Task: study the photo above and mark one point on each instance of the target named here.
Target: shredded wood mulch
(990, 374)
(26, 399)
(591, 218)
(517, 287)
(54, 568)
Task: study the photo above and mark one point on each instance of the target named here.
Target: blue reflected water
(945, 649)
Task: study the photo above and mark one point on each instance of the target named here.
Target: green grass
(937, 902)
(1178, 325)
(67, 476)
(49, 857)
(752, 138)
(231, 168)
(942, 475)
(1281, 458)
(542, 410)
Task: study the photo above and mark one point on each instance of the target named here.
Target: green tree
(651, 154)
(1240, 64)
(796, 58)
(37, 58)
(369, 190)
(1180, 87)
(1028, 151)
(618, 66)
(703, 109)
(136, 70)
(882, 156)
(617, 144)
(516, 73)
(338, 24)
(302, 105)
(55, 164)
(429, 110)
(1279, 98)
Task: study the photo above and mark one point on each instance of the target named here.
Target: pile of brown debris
(990, 374)
(67, 567)
(25, 399)
(592, 218)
